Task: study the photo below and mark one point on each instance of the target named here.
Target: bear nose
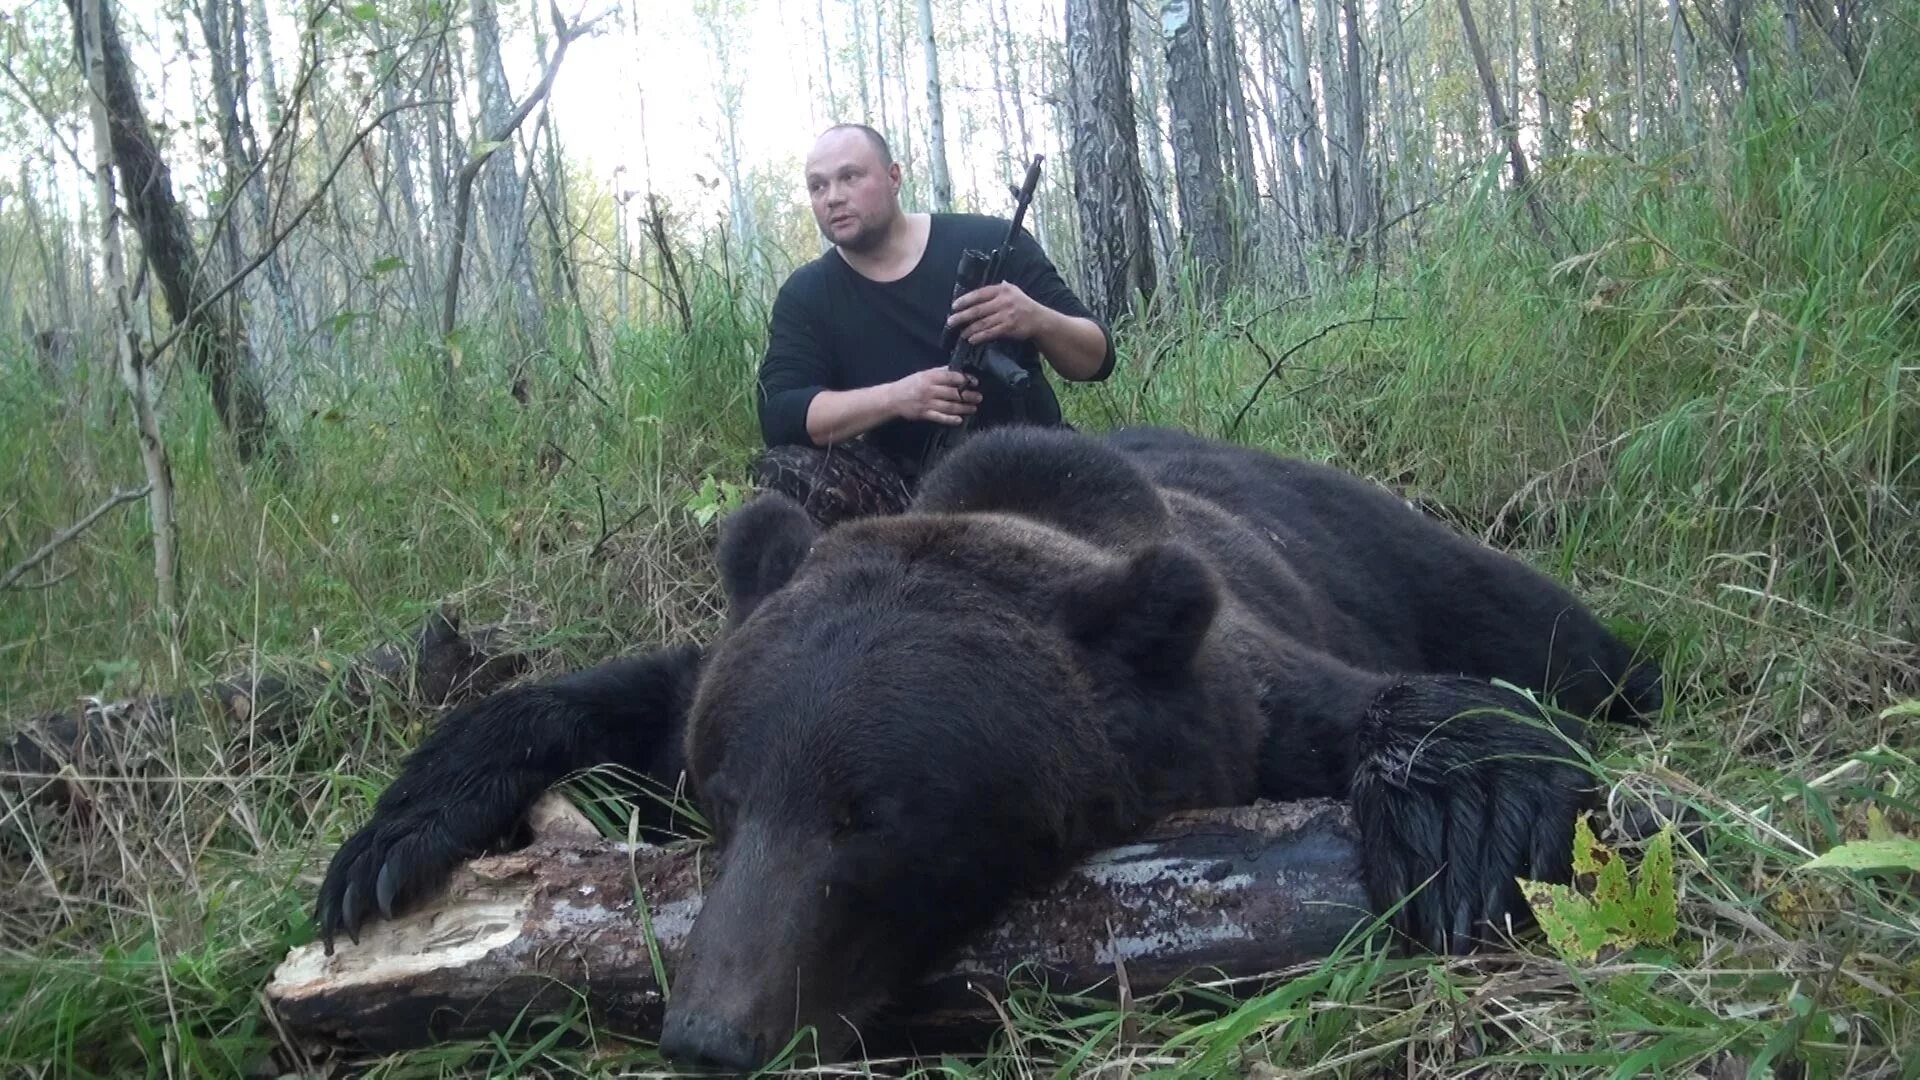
(702, 1041)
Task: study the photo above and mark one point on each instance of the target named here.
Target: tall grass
(1700, 410)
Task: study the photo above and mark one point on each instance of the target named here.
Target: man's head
(854, 185)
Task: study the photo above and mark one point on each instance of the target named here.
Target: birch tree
(503, 198)
(1207, 233)
(1116, 265)
(936, 114)
(208, 339)
(90, 32)
(1502, 123)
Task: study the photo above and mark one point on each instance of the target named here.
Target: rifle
(986, 361)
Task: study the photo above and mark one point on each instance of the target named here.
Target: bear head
(909, 721)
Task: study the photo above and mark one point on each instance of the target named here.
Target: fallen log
(1237, 892)
(440, 666)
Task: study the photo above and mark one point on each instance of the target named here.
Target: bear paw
(405, 853)
(1461, 788)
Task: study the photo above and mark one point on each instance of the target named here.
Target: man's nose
(701, 1041)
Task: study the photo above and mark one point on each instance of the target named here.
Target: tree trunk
(936, 114)
(1513, 60)
(1522, 183)
(1223, 48)
(826, 60)
(1207, 233)
(1240, 892)
(1116, 263)
(1293, 224)
(1334, 97)
(420, 255)
(1682, 72)
(860, 62)
(1005, 164)
(223, 24)
(903, 147)
(293, 320)
(1549, 139)
(1397, 116)
(440, 138)
(263, 57)
(1640, 73)
(97, 44)
(503, 198)
(497, 139)
(209, 341)
(1013, 86)
(1150, 75)
(1737, 43)
(1361, 217)
(1305, 115)
(880, 68)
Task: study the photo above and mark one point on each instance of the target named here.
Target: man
(854, 387)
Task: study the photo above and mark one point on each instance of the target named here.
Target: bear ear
(1153, 611)
(761, 546)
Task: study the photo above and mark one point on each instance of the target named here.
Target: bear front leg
(472, 781)
(1459, 788)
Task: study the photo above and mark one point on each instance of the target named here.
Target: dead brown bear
(909, 719)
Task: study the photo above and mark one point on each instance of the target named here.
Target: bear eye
(846, 817)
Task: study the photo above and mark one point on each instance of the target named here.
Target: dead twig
(1273, 366)
(483, 153)
(71, 531)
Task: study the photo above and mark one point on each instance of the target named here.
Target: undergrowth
(1699, 409)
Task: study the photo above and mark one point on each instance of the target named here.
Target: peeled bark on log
(1240, 891)
(441, 666)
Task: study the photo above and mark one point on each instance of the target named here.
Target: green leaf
(1900, 854)
(1622, 910)
(387, 265)
(364, 12)
(714, 498)
(1904, 708)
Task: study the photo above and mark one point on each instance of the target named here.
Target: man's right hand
(936, 394)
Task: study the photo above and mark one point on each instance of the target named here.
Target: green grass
(1702, 413)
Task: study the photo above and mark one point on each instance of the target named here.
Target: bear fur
(908, 720)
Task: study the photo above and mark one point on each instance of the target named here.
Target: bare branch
(53, 126)
(463, 198)
(1273, 366)
(71, 531)
(326, 183)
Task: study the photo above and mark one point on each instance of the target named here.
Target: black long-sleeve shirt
(833, 329)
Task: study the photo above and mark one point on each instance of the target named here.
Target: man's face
(855, 194)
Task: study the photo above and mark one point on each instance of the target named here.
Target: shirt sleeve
(793, 370)
(1028, 267)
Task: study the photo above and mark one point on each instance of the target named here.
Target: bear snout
(703, 1042)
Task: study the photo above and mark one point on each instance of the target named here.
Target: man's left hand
(996, 312)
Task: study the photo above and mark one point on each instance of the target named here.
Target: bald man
(854, 386)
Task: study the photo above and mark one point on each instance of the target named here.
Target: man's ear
(1153, 611)
(761, 546)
